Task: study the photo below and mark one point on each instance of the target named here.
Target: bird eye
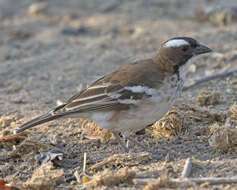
(185, 48)
(194, 45)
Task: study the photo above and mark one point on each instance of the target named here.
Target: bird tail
(37, 121)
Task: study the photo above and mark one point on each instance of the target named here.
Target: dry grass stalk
(187, 168)
(92, 131)
(110, 178)
(206, 98)
(166, 182)
(127, 159)
(169, 126)
(223, 138)
(84, 162)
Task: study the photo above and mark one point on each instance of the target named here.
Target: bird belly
(137, 119)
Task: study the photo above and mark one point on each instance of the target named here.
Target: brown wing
(118, 90)
(110, 91)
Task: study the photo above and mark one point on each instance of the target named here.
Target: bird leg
(118, 139)
(142, 145)
(126, 149)
(136, 142)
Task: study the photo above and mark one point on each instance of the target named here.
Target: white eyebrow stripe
(176, 43)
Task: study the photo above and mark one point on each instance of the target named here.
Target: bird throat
(181, 69)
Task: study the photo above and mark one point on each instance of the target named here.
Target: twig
(211, 77)
(210, 180)
(81, 178)
(187, 168)
(84, 163)
(102, 163)
(135, 158)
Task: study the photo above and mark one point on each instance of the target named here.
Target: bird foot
(118, 139)
(155, 153)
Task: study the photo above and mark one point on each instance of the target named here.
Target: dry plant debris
(194, 114)
(13, 139)
(91, 131)
(127, 159)
(7, 124)
(5, 121)
(174, 122)
(43, 178)
(111, 178)
(183, 183)
(206, 98)
(233, 112)
(169, 126)
(162, 182)
(29, 146)
(223, 138)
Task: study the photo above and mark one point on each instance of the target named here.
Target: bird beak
(201, 49)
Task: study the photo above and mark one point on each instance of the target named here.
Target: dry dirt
(50, 51)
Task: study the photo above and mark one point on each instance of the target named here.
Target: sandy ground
(48, 55)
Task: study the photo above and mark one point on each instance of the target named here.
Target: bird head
(177, 52)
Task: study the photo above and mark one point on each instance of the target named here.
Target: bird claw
(155, 154)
